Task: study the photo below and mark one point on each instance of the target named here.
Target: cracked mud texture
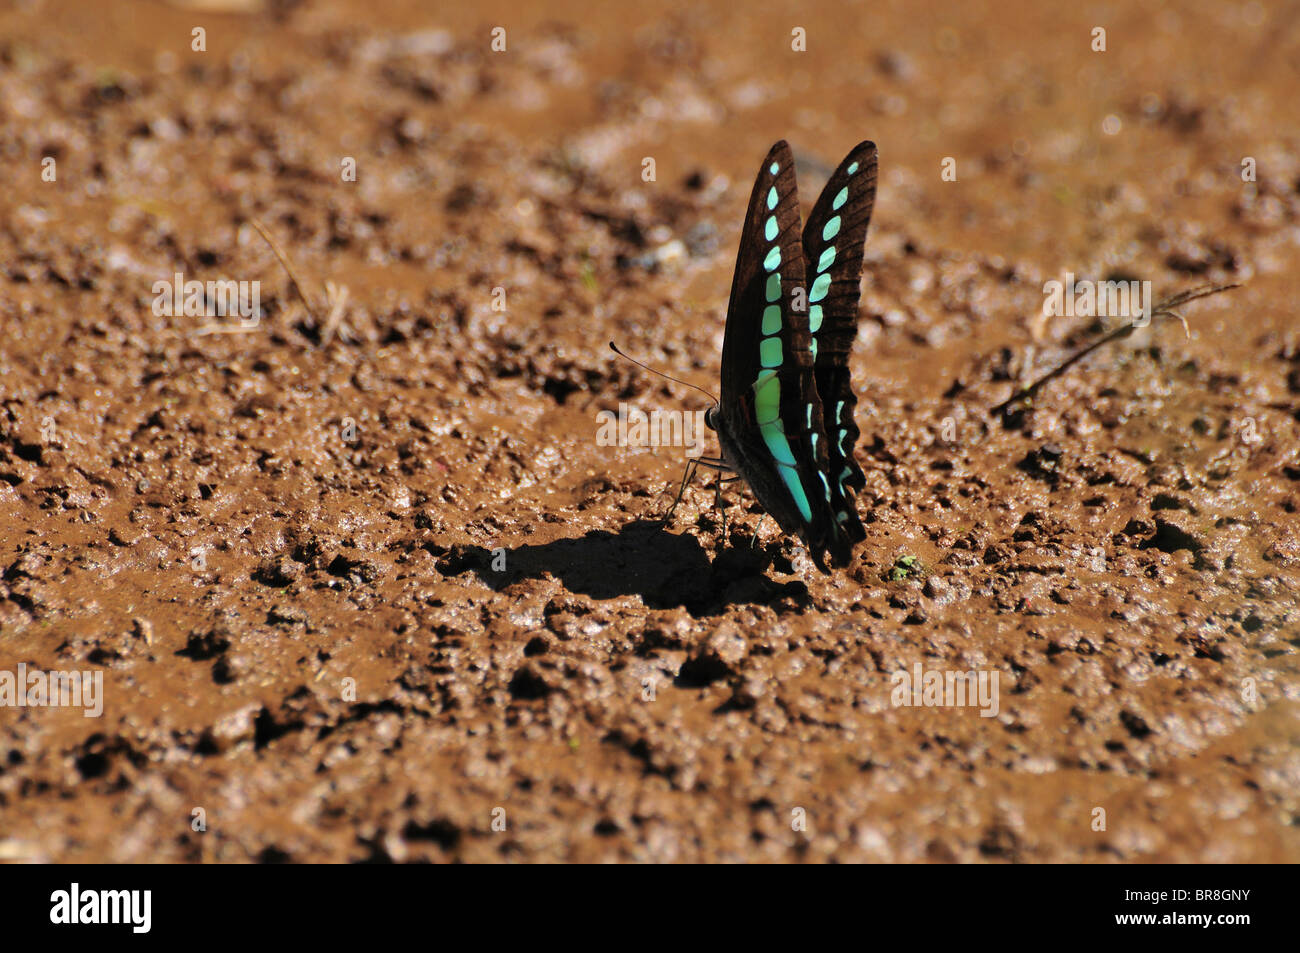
(281, 547)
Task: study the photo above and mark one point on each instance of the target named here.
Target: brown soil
(183, 513)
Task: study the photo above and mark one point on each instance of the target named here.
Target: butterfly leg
(689, 472)
(757, 526)
(718, 502)
(719, 505)
(691, 466)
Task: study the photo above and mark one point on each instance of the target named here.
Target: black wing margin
(833, 241)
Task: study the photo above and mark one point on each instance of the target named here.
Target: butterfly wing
(833, 243)
(772, 428)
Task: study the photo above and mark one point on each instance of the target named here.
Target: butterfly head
(711, 418)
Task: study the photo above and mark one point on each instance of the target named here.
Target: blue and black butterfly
(785, 419)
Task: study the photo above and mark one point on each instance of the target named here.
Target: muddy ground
(367, 588)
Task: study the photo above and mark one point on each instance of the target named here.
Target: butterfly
(785, 417)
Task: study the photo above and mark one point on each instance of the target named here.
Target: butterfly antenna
(614, 347)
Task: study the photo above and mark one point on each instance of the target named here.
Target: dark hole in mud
(1167, 501)
(203, 646)
(440, 831)
(266, 729)
(1136, 725)
(375, 852)
(31, 452)
(223, 673)
(93, 764)
(527, 685)
(559, 389)
(95, 757)
(1043, 462)
(345, 568)
(1169, 538)
(701, 671)
(102, 656)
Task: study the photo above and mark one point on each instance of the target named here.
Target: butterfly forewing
(770, 403)
(833, 245)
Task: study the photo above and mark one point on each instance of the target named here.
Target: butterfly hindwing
(833, 242)
(773, 430)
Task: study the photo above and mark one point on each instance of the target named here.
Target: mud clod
(359, 572)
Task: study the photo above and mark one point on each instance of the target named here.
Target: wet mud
(363, 585)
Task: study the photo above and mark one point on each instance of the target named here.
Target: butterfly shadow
(665, 569)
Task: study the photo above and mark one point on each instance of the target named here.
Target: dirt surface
(374, 591)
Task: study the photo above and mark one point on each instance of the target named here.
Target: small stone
(287, 614)
(727, 644)
(143, 629)
(279, 571)
(237, 726)
(124, 535)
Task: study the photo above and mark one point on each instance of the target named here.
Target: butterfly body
(785, 419)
